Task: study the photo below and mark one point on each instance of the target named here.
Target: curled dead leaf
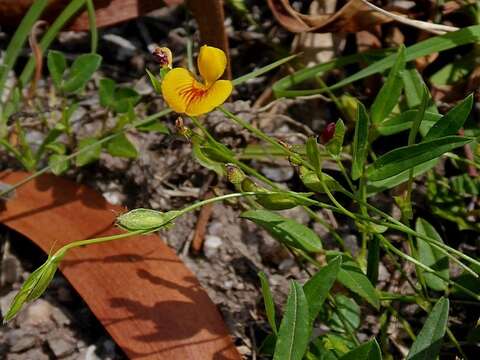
(354, 16)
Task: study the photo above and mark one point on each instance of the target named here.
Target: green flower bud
(34, 286)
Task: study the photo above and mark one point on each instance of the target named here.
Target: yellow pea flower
(185, 94)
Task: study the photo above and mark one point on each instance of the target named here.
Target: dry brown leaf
(352, 17)
(142, 293)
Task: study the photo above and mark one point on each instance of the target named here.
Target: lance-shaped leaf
(390, 92)
(452, 121)
(355, 280)
(313, 154)
(360, 142)
(295, 328)
(368, 351)
(318, 287)
(285, 230)
(431, 256)
(404, 158)
(429, 339)
(268, 300)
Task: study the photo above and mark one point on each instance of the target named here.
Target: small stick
(201, 227)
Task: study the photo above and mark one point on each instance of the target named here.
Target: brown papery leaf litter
(149, 302)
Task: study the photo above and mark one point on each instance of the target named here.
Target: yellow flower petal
(214, 96)
(211, 63)
(175, 86)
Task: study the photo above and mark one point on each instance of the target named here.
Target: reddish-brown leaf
(149, 302)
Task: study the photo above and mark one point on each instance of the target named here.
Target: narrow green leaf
(389, 94)
(155, 81)
(58, 163)
(120, 146)
(374, 187)
(268, 300)
(285, 230)
(360, 142)
(106, 92)
(56, 64)
(81, 71)
(429, 340)
(404, 121)
(452, 121)
(455, 70)
(91, 150)
(313, 155)
(334, 146)
(432, 45)
(295, 328)
(413, 85)
(367, 351)
(282, 88)
(404, 158)
(318, 286)
(431, 256)
(262, 70)
(355, 280)
(346, 314)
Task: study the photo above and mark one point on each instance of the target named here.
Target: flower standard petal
(175, 87)
(211, 63)
(212, 97)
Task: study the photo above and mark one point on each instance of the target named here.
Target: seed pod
(146, 219)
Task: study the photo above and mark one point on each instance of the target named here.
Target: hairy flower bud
(163, 56)
(234, 174)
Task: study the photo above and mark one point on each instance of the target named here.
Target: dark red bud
(328, 132)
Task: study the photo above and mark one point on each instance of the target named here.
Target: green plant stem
(260, 134)
(329, 227)
(344, 173)
(464, 160)
(395, 224)
(387, 244)
(92, 24)
(455, 342)
(406, 326)
(84, 149)
(62, 251)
